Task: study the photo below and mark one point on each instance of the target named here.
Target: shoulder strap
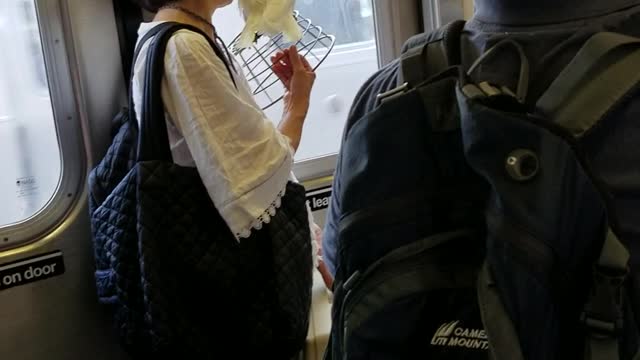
(601, 75)
(603, 313)
(431, 54)
(167, 25)
(150, 34)
(153, 138)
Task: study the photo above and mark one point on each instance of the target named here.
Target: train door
(61, 83)
(47, 302)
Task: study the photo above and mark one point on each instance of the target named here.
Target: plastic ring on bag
(522, 165)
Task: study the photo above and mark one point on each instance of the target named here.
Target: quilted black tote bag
(179, 283)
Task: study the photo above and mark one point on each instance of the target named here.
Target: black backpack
(473, 226)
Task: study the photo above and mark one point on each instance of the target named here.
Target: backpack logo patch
(451, 335)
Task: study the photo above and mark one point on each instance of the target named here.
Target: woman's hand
(298, 78)
(282, 67)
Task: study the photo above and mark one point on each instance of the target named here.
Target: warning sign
(29, 270)
(26, 186)
(319, 199)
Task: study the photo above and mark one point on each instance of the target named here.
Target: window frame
(437, 13)
(55, 37)
(394, 22)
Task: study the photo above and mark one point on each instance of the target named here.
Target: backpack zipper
(384, 213)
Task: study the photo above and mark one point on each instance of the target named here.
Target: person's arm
(291, 126)
(298, 77)
(243, 160)
(330, 233)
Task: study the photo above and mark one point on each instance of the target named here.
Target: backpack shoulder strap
(602, 74)
(603, 314)
(428, 54)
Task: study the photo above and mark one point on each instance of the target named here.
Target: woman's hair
(153, 5)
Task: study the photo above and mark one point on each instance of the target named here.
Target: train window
(437, 13)
(30, 169)
(353, 60)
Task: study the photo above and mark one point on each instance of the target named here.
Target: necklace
(175, 6)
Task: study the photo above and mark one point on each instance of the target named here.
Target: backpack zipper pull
(352, 281)
(393, 93)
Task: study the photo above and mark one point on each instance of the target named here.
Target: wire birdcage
(315, 45)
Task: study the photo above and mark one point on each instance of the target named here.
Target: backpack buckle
(603, 312)
(393, 93)
(485, 89)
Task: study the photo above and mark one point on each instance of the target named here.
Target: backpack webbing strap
(614, 255)
(426, 55)
(601, 75)
(503, 338)
(603, 313)
(441, 50)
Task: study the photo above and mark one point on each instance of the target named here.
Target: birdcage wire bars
(315, 45)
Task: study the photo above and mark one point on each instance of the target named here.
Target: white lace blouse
(243, 160)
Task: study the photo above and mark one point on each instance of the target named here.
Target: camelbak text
(452, 335)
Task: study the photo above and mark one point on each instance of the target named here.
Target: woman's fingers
(280, 72)
(287, 63)
(284, 69)
(283, 73)
(295, 58)
(306, 63)
(298, 62)
(279, 56)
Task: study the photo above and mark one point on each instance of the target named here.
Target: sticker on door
(25, 271)
(318, 199)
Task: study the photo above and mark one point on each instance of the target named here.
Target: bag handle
(426, 55)
(440, 50)
(523, 79)
(153, 141)
(150, 34)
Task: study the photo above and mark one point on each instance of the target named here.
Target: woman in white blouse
(215, 124)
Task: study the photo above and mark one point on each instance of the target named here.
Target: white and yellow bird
(268, 17)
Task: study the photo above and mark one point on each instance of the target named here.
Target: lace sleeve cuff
(256, 207)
